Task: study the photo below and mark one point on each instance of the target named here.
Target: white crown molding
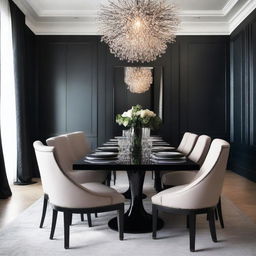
(212, 13)
(90, 28)
(83, 22)
(238, 17)
(68, 13)
(26, 8)
(201, 13)
(229, 6)
(203, 28)
(63, 28)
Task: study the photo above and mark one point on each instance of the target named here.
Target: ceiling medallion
(138, 79)
(138, 30)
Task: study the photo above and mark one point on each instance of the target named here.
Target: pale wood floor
(239, 190)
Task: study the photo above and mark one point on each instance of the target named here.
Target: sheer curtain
(7, 85)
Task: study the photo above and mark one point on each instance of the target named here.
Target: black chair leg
(187, 221)
(89, 220)
(192, 231)
(154, 220)
(70, 223)
(96, 215)
(212, 224)
(54, 219)
(45, 203)
(67, 220)
(108, 179)
(114, 175)
(120, 217)
(82, 217)
(219, 209)
(216, 214)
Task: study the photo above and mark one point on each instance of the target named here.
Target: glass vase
(136, 147)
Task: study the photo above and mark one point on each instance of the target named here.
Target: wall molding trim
(240, 16)
(83, 22)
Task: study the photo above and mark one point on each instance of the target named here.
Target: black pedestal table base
(127, 194)
(136, 225)
(136, 219)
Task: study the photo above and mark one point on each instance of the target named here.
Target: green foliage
(138, 117)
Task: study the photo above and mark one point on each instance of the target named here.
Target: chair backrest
(205, 189)
(200, 149)
(183, 141)
(79, 144)
(62, 151)
(63, 191)
(189, 144)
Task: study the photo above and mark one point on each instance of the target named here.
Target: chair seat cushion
(178, 178)
(158, 198)
(102, 190)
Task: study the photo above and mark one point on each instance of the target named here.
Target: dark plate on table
(168, 161)
(100, 161)
(160, 143)
(107, 149)
(167, 155)
(118, 137)
(91, 158)
(156, 140)
(162, 148)
(103, 155)
(110, 144)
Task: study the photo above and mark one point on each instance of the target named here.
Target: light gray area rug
(23, 237)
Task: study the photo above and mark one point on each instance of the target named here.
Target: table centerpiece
(137, 118)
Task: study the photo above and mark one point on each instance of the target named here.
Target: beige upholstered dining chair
(177, 178)
(187, 146)
(65, 158)
(80, 147)
(198, 155)
(183, 141)
(79, 144)
(68, 196)
(201, 195)
(66, 152)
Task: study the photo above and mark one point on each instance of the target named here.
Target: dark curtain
(5, 190)
(25, 166)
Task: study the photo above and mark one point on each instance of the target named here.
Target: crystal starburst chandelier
(138, 30)
(138, 79)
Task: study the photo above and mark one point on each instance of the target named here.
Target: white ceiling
(199, 17)
(44, 6)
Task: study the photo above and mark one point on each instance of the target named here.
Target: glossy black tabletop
(172, 165)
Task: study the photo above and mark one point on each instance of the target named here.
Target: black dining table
(136, 219)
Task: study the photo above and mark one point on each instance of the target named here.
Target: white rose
(151, 113)
(138, 113)
(143, 113)
(148, 113)
(124, 114)
(125, 123)
(127, 113)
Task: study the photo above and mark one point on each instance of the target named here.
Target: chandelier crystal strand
(138, 30)
(138, 79)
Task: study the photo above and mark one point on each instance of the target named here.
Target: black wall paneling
(203, 87)
(242, 97)
(67, 93)
(76, 77)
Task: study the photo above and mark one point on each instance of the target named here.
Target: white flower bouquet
(139, 118)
